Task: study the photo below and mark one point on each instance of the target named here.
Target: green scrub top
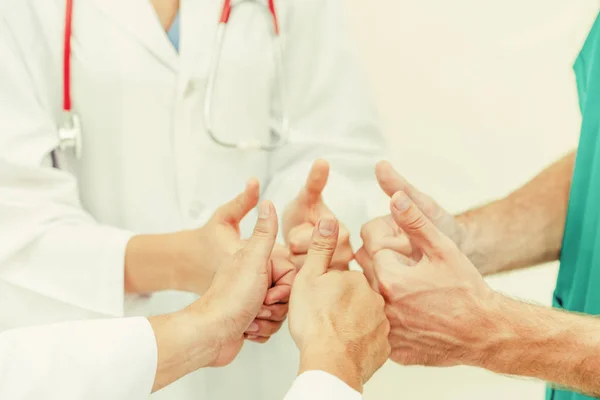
(578, 285)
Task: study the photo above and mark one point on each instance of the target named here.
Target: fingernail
(264, 210)
(327, 227)
(264, 314)
(401, 201)
(252, 328)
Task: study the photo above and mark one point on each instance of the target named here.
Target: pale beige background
(476, 96)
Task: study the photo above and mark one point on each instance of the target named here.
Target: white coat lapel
(138, 18)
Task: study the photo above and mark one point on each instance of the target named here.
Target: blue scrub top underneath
(173, 33)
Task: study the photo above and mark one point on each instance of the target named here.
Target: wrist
(191, 273)
(516, 339)
(334, 359)
(181, 344)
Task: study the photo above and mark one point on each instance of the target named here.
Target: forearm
(155, 263)
(183, 346)
(523, 229)
(543, 343)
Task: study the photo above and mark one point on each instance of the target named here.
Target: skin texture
(521, 230)
(188, 340)
(189, 261)
(336, 319)
(442, 313)
(302, 214)
(166, 10)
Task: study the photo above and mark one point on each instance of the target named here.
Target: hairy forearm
(538, 342)
(523, 229)
(183, 346)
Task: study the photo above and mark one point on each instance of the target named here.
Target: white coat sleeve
(101, 359)
(331, 114)
(52, 252)
(319, 385)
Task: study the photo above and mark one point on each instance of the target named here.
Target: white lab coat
(106, 359)
(148, 165)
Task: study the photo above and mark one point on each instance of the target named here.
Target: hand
(239, 289)
(205, 249)
(275, 307)
(336, 319)
(438, 305)
(382, 233)
(301, 215)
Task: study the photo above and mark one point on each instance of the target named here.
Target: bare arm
(524, 229)
(443, 313)
(538, 342)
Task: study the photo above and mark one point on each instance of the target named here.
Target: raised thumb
(259, 247)
(420, 230)
(315, 183)
(323, 244)
(235, 210)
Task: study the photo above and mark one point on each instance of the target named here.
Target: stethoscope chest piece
(69, 135)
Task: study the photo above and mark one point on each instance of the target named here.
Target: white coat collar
(138, 18)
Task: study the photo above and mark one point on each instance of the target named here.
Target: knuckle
(415, 219)
(262, 230)
(295, 245)
(323, 246)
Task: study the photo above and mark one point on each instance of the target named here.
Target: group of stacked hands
(420, 300)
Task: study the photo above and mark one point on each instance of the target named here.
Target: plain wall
(476, 97)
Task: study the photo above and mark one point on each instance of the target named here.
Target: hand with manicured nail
(435, 304)
(239, 289)
(301, 215)
(336, 319)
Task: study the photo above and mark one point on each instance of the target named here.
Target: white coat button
(190, 88)
(195, 210)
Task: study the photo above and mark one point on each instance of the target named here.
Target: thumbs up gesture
(302, 214)
(438, 303)
(209, 247)
(383, 234)
(336, 319)
(238, 291)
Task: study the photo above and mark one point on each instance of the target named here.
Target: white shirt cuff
(101, 359)
(319, 385)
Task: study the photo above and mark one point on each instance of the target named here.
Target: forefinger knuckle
(322, 247)
(415, 219)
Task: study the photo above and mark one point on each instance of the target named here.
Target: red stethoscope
(69, 130)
